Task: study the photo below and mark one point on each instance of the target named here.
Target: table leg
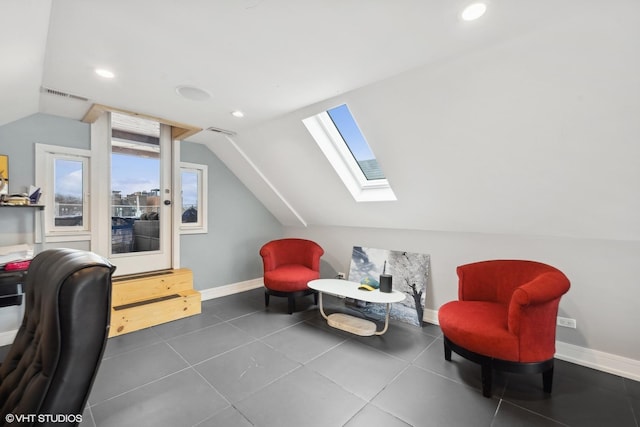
(386, 321)
(321, 308)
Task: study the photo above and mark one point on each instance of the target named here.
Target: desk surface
(349, 289)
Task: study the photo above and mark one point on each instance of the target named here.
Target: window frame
(46, 156)
(337, 152)
(202, 172)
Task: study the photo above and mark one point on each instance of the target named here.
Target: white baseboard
(606, 362)
(7, 337)
(234, 288)
(430, 316)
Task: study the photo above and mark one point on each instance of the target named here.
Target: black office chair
(52, 363)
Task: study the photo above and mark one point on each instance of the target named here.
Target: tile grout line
(140, 386)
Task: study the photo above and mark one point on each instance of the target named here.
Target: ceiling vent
(223, 131)
(61, 94)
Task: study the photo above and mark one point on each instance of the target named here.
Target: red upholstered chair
(505, 317)
(289, 264)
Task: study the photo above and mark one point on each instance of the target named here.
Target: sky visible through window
(142, 174)
(353, 138)
(131, 174)
(68, 194)
(189, 189)
(68, 178)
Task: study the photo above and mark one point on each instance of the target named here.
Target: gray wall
(238, 226)
(238, 223)
(603, 273)
(17, 140)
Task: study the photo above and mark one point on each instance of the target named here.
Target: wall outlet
(340, 276)
(567, 322)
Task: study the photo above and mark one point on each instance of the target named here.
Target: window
(63, 176)
(68, 191)
(358, 146)
(135, 184)
(340, 139)
(193, 185)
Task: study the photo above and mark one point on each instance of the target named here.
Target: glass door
(140, 211)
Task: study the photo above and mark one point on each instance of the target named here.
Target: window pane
(353, 138)
(193, 198)
(189, 196)
(135, 184)
(68, 193)
(135, 200)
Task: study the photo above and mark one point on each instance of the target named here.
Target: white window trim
(44, 178)
(335, 149)
(201, 226)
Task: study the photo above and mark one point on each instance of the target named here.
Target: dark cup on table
(385, 283)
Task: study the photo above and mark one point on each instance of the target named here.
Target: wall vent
(59, 93)
(218, 130)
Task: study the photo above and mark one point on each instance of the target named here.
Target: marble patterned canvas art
(410, 272)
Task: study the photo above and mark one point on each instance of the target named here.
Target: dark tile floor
(239, 364)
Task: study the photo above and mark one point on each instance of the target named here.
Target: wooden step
(146, 286)
(144, 300)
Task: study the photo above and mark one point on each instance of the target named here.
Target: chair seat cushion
(290, 278)
(480, 327)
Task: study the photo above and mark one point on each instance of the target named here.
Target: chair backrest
(531, 291)
(291, 251)
(52, 363)
(495, 280)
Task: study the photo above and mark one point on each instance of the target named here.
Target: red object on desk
(17, 265)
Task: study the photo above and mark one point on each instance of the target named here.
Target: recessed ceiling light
(474, 11)
(193, 93)
(105, 73)
(237, 113)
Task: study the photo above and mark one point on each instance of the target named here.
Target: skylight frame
(324, 132)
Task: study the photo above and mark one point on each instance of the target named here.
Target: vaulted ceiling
(486, 126)
(264, 57)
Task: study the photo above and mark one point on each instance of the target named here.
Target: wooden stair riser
(139, 302)
(146, 287)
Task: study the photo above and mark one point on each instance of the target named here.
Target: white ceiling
(522, 122)
(264, 57)
(23, 37)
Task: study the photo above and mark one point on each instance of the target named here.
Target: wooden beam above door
(179, 131)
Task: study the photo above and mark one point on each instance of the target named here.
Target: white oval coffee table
(346, 322)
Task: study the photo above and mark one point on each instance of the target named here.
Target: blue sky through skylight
(353, 138)
(350, 132)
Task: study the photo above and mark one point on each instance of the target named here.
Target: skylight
(340, 139)
(351, 135)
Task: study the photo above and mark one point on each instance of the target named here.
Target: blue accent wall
(238, 226)
(17, 140)
(238, 223)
